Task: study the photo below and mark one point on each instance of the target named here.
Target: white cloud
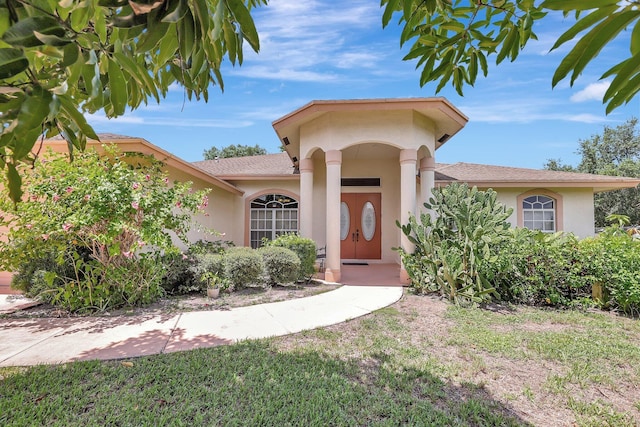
(314, 41)
(526, 111)
(593, 92)
(101, 120)
(269, 73)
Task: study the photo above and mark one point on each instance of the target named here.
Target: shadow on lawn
(251, 383)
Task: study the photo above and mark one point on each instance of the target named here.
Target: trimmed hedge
(303, 247)
(281, 265)
(242, 266)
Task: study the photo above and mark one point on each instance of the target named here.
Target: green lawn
(415, 363)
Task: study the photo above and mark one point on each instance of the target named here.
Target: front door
(360, 236)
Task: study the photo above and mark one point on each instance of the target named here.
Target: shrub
(450, 249)
(613, 259)
(91, 287)
(534, 268)
(178, 277)
(207, 266)
(94, 216)
(242, 266)
(281, 265)
(210, 246)
(303, 247)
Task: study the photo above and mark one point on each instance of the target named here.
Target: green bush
(206, 266)
(97, 217)
(281, 265)
(303, 247)
(178, 277)
(91, 287)
(450, 249)
(242, 266)
(534, 268)
(613, 260)
(210, 247)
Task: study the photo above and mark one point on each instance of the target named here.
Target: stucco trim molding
(541, 192)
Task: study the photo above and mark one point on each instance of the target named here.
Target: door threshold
(355, 263)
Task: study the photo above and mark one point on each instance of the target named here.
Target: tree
(97, 221)
(616, 152)
(233, 151)
(452, 40)
(60, 59)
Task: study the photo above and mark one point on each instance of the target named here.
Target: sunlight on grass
(595, 348)
(244, 384)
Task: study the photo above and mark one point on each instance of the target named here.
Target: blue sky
(322, 49)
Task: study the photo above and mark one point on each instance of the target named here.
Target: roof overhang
(448, 119)
(597, 186)
(140, 145)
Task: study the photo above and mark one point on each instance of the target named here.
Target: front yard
(418, 362)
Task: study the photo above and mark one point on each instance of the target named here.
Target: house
(351, 168)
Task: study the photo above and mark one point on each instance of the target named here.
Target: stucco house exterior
(351, 168)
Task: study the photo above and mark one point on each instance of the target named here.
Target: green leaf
(583, 24)
(592, 43)
(635, 39)
(186, 36)
(51, 40)
(242, 17)
(14, 182)
(22, 33)
(153, 36)
(119, 95)
(12, 62)
(392, 6)
(178, 13)
(67, 106)
(33, 112)
(568, 5)
(70, 55)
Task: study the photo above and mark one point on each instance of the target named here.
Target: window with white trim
(272, 215)
(539, 213)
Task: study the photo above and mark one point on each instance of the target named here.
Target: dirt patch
(192, 302)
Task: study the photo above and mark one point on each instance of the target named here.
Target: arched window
(539, 213)
(271, 216)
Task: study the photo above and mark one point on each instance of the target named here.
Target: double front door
(360, 236)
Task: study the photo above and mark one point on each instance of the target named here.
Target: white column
(427, 181)
(408, 160)
(333, 159)
(306, 198)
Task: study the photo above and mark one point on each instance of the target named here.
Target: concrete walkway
(26, 342)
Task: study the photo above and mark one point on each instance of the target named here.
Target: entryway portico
(363, 165)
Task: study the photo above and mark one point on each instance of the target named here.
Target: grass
(245, 384)
(403, 365)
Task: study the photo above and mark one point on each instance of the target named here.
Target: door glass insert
(345, 221)
(368, 221)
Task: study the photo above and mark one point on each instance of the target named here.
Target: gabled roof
(504, 176)
(277, 166)
(447, 118)
(140, 145)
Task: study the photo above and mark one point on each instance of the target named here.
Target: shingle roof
(280, 165)
(471, 172)
(266, 165)
(102, 136)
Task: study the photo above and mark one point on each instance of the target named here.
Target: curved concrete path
(26, 342)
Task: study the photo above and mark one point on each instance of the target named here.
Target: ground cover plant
(418, 362)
